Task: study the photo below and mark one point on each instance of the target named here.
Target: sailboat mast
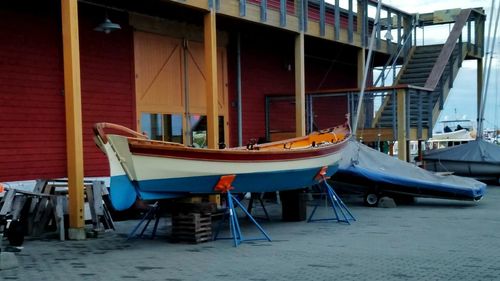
(367, 65)
(489, 58)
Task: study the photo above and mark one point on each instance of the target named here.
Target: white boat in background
(452, 132)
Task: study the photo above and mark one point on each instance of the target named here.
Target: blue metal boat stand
(342, 213)
(152, 213)
(224, 185)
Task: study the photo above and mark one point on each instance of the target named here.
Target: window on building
(163, 127)
(199, 130)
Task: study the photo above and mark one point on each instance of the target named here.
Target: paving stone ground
(430, 240)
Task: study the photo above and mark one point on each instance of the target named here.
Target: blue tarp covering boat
(376, 173)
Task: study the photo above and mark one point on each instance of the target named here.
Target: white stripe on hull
(149, 168)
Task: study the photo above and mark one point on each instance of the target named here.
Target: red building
(151, 74)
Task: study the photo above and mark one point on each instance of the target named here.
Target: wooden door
(166, 71)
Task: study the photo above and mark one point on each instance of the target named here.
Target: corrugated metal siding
(32, 119)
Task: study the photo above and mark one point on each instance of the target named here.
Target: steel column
(337, 20)
(263, 10)
(299, 85)
(282, 13)
(243, 8)
(350, 23)
(238, 90)
(420, 113)
(322, 17)
(401, 121)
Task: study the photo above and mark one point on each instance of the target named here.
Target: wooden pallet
(43, 209)
(192, 227)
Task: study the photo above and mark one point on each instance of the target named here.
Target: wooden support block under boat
(192, 227)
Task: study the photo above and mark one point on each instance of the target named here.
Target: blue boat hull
(124, 192)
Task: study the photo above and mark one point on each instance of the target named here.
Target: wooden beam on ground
(73, 107)
(401, 120)
(300, 88)
(211, 79)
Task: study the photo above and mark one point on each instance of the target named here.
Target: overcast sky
(462, 100)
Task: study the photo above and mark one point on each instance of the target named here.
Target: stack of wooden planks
(192, 227)
(192, 221)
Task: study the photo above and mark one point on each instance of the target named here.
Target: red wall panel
(32, 119)
(31, 98)
(275, 5)
(329, 111)
(107, 82)
(265, 60)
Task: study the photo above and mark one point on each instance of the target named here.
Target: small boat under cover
(376, 173)
(478, 159)
(141, 168)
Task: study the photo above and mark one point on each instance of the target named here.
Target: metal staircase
(416, 72)
(433, 67)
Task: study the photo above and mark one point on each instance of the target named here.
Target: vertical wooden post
(361, 65)
(401, 120)
(73, 107)
(479, 85)
(361, 26)
(360, 76)
(359, 17)
(300, 88)
(211, 79)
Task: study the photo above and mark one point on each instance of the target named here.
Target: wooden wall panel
(32, 121)
(222, 81)
(196, 78)
(160, 78)
(158, 68)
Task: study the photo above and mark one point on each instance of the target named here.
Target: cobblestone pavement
(430, 240)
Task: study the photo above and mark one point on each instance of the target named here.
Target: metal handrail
(446, 52)
(393, 57)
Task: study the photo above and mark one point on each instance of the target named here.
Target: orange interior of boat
(303, 142)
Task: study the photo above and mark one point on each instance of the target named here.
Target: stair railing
(446, 52)
(393, 59)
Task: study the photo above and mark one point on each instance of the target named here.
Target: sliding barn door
(170, 88)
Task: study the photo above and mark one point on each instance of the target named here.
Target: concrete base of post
(76, 234)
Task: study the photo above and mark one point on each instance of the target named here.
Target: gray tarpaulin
(361, 160)
(473, 151)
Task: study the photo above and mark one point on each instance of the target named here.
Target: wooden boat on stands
(141, 168)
